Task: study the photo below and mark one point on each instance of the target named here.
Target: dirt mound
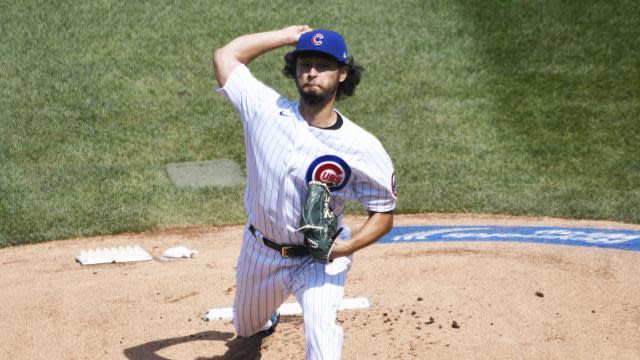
(438, 300)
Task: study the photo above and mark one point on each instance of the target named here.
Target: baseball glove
(318, 222)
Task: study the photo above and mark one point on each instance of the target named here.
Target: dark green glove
(318, 222)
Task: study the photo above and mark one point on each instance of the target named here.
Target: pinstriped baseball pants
(265, 279)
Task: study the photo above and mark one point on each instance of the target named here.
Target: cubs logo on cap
(331, 170)
(324, 41)
(317, 39)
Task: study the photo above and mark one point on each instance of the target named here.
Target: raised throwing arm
(243, 49)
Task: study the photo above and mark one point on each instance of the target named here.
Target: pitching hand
(293, 33)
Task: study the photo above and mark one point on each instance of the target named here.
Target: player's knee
(241, 329)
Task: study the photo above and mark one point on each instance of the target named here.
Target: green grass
(518, 107)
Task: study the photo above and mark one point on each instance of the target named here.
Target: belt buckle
(284, 252)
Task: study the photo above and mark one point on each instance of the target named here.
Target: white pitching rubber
(288, 309)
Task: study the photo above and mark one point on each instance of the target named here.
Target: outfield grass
(518, 107)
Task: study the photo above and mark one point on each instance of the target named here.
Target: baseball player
(288, 145)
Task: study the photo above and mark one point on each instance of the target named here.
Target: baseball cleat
(270, 327)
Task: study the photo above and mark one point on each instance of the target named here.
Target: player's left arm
(375, 189)
(376, 226)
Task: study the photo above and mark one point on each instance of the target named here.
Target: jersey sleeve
(375, 186)
(246, 93)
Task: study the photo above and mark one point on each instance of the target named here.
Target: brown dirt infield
(508, 300)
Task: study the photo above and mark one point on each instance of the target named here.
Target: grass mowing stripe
(501, 107)
(558, 115)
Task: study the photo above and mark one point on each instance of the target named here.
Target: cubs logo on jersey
(331, 170)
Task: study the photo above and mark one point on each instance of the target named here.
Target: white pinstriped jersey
(284, 153)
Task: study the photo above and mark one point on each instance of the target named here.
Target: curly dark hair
(345, 88)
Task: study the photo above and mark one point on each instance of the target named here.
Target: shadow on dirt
(239, 348)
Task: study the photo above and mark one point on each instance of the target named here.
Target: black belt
(284, 250)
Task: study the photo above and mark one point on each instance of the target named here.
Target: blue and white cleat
(270, 326)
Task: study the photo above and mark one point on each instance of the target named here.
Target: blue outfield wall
(603, 238)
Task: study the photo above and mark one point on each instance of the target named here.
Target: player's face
(317, 77)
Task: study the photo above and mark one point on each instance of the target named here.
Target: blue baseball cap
(324, 41)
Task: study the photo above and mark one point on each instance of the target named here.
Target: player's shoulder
(355, 131)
